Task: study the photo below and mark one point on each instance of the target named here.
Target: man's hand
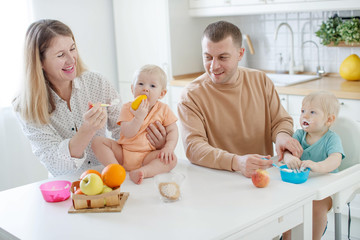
(285, 142)
(156, 134)
(248, 164)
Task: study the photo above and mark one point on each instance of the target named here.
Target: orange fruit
(78, 191)
(89, 171)
(113, 175)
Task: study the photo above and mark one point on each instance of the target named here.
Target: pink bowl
(55, 191)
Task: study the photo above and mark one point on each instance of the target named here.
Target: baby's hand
(142, 110)
(292, 162)
(166, 155)
(310, 164)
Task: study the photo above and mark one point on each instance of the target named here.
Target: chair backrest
(349, 132)
(18, 165)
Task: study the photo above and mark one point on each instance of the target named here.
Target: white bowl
(169, 186)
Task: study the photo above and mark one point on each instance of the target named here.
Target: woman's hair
(152, 69)
(35, 103)
(220, 30)
(327, 100)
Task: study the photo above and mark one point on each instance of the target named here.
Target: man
(231, 115)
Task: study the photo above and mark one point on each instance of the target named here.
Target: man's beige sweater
(221, 120)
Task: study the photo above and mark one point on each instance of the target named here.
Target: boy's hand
(141, 113)
(310, 164)
(292, 162)
(166, 155)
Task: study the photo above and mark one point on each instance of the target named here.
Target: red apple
(260, 178)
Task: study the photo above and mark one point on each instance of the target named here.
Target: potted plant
(335, 31)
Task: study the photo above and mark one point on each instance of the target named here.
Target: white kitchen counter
(215, 205)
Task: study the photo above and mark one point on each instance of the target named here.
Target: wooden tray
(123, 197)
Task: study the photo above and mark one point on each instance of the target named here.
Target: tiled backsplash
(261, 29)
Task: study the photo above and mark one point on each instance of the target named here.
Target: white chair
(18, 165)
(349, 132)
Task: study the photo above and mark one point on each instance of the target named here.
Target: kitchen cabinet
(203, 8)
(141, 38)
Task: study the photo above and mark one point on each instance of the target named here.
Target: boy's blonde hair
(328, 102)
(152, 69)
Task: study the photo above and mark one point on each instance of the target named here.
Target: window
(14, 20)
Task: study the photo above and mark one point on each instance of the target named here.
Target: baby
(323, 151)
(133, 150)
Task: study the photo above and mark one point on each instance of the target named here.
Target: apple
(91, 184)
(106, 189)
(260, 178)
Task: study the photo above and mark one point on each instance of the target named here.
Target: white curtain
(14, 20)
(18, 165)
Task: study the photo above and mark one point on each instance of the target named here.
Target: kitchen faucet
(292, 65)
(319, 70)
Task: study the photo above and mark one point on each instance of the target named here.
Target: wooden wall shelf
(343, 44)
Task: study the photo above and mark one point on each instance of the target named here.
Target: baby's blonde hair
(152, 69)
(328, 102)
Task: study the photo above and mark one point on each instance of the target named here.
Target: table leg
(337, 226)
(304, 230)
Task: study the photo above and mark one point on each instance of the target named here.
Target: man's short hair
(220, 30)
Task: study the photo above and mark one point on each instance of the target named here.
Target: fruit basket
(81, 201)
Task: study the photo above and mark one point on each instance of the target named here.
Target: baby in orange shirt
(133, 150)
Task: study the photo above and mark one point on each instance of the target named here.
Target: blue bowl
(293, 177)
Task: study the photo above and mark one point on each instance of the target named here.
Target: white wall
(92, 24)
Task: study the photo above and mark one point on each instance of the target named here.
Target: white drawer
(350, 108)
(272, 226)
(284, 101)
(295, 103)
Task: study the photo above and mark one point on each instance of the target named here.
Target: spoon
(113, 102)
(282, 169)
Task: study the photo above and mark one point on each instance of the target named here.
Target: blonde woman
(54, 103)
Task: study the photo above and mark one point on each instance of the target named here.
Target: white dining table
(215, 204)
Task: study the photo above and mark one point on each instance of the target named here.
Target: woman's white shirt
(50, 142)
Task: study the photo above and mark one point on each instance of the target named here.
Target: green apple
(91, 184)
(106, 189)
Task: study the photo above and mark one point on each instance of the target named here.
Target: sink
(282, 80)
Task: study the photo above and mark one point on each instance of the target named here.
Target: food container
(294, 177)
(169, 186)
(82, 201)
(55, 191)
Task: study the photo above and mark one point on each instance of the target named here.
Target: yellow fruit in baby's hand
(136, 103)
(350, 68)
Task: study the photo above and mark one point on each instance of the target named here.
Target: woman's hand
(95, 118)
(156, 134)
